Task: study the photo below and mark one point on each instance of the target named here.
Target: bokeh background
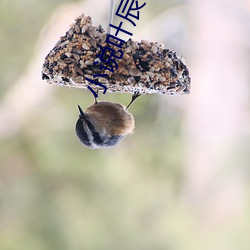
(180, 182)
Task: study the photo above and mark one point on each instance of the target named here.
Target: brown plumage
(104, 124)
(110, 117)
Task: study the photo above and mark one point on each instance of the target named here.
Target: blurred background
(180, 182)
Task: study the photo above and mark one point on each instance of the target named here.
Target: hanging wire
(110, 15)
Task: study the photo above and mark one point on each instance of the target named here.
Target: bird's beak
(82, 115)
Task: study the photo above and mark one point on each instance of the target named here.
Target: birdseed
(146, 67)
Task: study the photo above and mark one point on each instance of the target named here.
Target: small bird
(104, 124)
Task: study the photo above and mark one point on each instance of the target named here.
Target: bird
(104, 124)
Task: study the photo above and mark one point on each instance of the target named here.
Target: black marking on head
(97, 139)
(81, 133)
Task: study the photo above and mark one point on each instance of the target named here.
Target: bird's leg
(134, 97)
(96, 96)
